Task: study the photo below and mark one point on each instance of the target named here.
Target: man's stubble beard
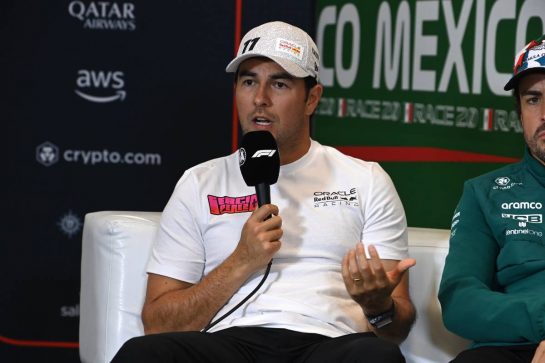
(536, 146)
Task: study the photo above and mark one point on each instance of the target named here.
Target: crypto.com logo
(47, 154)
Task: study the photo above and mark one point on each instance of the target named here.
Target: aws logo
(100, 86)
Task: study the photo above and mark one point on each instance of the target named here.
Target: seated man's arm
(474, 306)
(405, 313)
(383, 283)
(173, 305)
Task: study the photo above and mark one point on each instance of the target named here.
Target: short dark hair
(309, 83)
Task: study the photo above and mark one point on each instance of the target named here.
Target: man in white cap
(324, 300)
(493, 286)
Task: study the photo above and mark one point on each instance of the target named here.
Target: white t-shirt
(328, 202)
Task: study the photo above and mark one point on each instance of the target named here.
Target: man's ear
(314, 96)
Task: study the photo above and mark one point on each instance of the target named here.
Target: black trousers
(263, 345)
(503, 354)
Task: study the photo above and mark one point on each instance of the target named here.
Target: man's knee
(388, 352)
(142, 349)
(373, 350)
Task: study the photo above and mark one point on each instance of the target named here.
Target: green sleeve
(473, 305)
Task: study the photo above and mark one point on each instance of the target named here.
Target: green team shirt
(493, 286)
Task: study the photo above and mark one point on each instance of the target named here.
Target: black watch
(381, 320)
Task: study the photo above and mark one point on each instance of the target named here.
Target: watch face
(379, 323)
(380, 320)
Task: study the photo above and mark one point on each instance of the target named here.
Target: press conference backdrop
(418, 86)
(103, 104)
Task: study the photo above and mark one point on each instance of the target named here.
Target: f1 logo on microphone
(260, 153)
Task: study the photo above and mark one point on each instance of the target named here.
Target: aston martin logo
(502, 181)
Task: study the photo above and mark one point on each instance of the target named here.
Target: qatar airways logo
(231, 205)
(521, 205)
(100, 86)
(104, 15)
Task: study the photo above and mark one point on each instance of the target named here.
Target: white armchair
(116, 246)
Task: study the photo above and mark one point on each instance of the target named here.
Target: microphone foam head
(258, 158)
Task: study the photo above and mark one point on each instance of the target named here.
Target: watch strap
(380, 320)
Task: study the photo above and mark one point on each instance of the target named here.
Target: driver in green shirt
(493, 286)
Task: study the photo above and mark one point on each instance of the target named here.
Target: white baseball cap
(292, 48)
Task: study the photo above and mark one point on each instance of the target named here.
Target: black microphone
(259, 163)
